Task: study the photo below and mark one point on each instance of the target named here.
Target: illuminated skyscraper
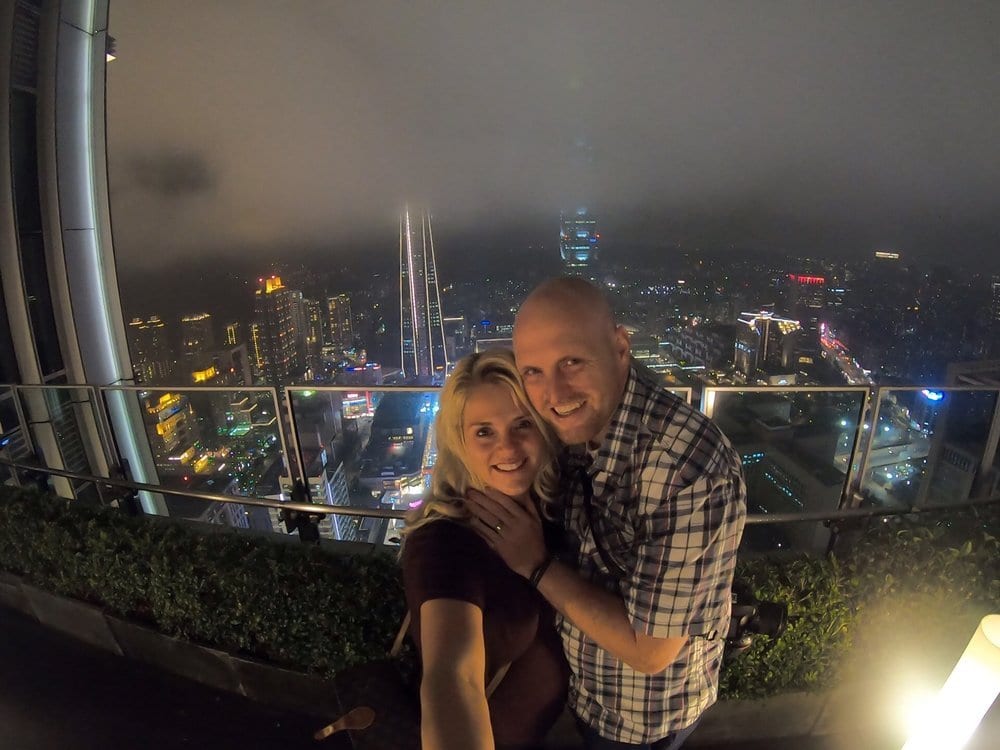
(151, 354)
(807, 302)
(423, 354)
(578, 241)
(234, 336)
(196, 334)
(340, 324)
(274, 334)
(764, 343)
(315, 333)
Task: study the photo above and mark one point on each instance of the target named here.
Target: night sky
(262, 130)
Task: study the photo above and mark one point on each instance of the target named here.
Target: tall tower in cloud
(423, 356)
(578, 241)
(578, 237)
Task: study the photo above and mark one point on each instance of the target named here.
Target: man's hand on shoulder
(512, 529)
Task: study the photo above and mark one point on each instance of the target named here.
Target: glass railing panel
(685, 393)
(797, 446)
(14, 441)
(365, 447)
(932, 447)
(224, 441)
(66, 430)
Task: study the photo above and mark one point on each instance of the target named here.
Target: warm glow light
(951, 718)
(200, 376)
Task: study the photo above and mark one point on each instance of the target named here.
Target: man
(653, 505)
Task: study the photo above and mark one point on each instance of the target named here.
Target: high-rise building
(300, 323)
(456, 337)
(196, 334)
(340, 324)
(234, 334)
(151, 355)
(764, 343)
(315, 325)
(274, 333)
(172, 421)
(807, 301)
(423, 355)
(578, 241)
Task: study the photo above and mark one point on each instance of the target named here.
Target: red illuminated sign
(799, 279)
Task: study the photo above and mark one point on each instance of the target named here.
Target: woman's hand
(512, 529)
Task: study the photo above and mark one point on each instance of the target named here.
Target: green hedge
(910, 589)
(293, 604)
(301, 606)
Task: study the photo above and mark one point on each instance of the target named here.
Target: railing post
(980, 485)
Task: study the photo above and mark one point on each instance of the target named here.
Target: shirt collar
(615, 450)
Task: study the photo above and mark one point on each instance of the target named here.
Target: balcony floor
(56, 692)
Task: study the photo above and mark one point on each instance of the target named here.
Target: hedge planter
(312, 611)
(11, 594)
(84, 622)
(288, 689)
(199, 663)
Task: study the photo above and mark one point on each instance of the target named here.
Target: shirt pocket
(613, 526)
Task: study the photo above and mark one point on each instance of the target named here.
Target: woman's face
(504, 448)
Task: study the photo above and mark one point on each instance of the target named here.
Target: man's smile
(565, 410)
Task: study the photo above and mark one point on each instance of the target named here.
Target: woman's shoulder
(443, 537)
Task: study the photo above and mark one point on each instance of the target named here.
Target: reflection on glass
(796, 450)
(220, 441)
(932, 447)
(12, 440)
(368, 449)
(65, 434)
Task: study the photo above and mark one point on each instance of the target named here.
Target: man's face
(574, 375)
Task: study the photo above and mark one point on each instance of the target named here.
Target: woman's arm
(454, 713)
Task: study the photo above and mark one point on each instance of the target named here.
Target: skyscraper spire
(423, 355)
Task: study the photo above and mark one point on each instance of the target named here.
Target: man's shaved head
(570, 297)
(573, 358)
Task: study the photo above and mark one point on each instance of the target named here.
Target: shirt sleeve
(442, 560)
(682, 582)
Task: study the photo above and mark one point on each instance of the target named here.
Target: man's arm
(599, 613)
(602, 615)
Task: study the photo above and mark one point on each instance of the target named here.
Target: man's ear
(623, 346)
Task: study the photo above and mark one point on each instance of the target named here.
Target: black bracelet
(537, 573)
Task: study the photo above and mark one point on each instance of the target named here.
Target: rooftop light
(952, 717)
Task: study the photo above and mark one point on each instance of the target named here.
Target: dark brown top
(446, 560)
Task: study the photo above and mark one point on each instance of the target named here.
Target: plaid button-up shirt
(669, 504)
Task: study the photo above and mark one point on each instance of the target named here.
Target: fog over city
(261, 131)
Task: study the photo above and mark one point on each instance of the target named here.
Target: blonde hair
(452, 475)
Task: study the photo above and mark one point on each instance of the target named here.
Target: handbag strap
(497, 679)
(397, 647)
(397, 644)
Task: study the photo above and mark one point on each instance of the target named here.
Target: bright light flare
(949, 721)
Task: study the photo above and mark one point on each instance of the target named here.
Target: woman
(471, 616)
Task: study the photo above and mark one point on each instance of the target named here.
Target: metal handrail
(213, 497)
(846, 514)
(753, 519)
